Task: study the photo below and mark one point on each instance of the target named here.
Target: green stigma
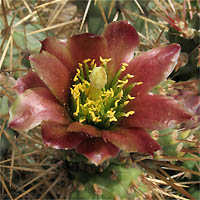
(96, 102)
(98, 80)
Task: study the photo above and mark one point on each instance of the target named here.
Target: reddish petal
(131, 140)
(59, 50)
(57, 136)
(122, 39)
(86, 46)
(84, 128)
(152, 67)
(53, 73)
(97, 150)
(34, 106)
(154, 112)
(30, 80)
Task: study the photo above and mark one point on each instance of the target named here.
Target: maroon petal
(97, 150)
(59, 50)
(30, 80)
(86, 46)
(152, 67)
(57, 136)
(34, 106)
(53, 73)
(132, 140)
(84, 128)
(122, 39)
(154, 112)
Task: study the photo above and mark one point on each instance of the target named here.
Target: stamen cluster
(105, 108)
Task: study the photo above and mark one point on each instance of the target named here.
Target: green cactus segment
(189, 44)
(4, 142)
(195, 192)
(190, 164)
(95, 19)
(116, 182)
(173, 141)
(164, 87)
(168, 141)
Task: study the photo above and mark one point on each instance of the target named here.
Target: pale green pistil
(93, 100)
(98, 80)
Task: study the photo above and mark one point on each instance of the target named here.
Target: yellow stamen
(122, 83)
(116, 102)
(92, 62)
(94, 101)
(111, 116)
(125, 103)
(105, 60)
(123, 68)
(87, 60)
(129, 76)
(121, 94)
(108, 94)
(80, 64)
(82, 120)
(139, 83)
(95, 118)
(75, 78)
(129, 113)
(130, 97)
(77, 75)
(125, 64)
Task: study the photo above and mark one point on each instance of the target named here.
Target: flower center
(96, 102)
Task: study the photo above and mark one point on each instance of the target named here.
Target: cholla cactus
(183, 21)
(87, 103)
(116, 182)
(173, 141)
(90, 95)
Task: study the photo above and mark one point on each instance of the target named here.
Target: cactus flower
(91, 95)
